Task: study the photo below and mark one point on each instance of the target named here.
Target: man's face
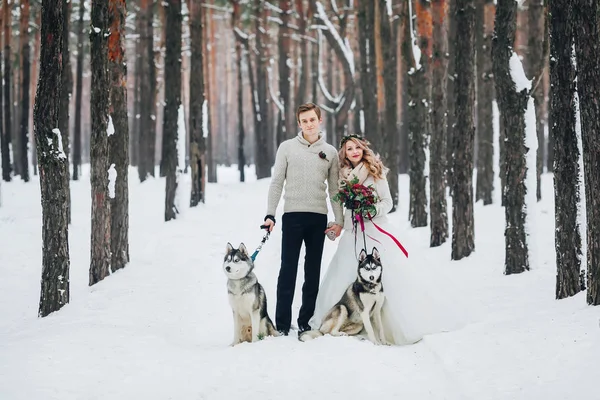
(309, 122)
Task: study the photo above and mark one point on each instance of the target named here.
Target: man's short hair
(307, 107)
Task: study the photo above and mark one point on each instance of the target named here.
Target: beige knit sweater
(304, 172)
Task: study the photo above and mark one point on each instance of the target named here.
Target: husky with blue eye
(360, 306)
(247, 297)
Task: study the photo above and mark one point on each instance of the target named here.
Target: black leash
(262, 242)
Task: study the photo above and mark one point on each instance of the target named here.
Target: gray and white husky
(247, 297)
(359, 307)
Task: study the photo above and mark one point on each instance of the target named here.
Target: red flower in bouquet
(357, 197)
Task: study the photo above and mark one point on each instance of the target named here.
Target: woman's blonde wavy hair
(371, 160)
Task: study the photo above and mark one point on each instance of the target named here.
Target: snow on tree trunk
(172, 103)
(587, 48)
(99, 151)
(463, 136)
(52, 164)
(119, 141)
(512, 90)
(566, 152)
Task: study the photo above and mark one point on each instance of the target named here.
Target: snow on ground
(161, 328)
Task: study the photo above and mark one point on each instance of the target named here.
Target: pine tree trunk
(285, 73)
(261, 131)
(390, 133)
(368, 72)
(485, 97)
(52, 164)
(25, 70)
(463, 243)
(7, 73)
(78, 95)
(437, 160)
(535, 65)
(512, 105)
(119, 141)
(197, 99)
(419, 91)
(65, 96)
(99, 151)
(147, 137)
(450, 90)
(172, 103)
(566, 172)
(4, 135)
(587, 48)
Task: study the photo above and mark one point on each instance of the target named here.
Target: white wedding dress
(410, 310)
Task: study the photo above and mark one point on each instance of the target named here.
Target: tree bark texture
(419, 91)
(450, 89)
(437, 159)
(566, 163)
(65, 96)
(78, 94)
(119, 141)
(7, 73)
(512, 105)
(368, 69)
(287, 120)
(587, 48)
(172, 103)
(197, 141)
(390, 131)
(25, 71)
(100, 258)
(463, 235)
(4, 135)
(485, 97)
(52, 164)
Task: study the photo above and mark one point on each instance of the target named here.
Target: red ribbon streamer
(359, 218)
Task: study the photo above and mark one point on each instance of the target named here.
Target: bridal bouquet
(357, 197)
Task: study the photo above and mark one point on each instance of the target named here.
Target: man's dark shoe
(283, 332)
(303, 328)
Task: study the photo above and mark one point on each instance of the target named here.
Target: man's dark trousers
(298, 227)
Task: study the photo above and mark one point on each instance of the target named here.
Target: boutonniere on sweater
(323, 156)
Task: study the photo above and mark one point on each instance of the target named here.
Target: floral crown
(353, 136)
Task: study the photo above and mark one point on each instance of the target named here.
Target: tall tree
(172, 103)
(437, 160)
(566, 162)
(535, 61)
(587, 48)
(52, 164)
(419, 117)
(261, 128)
(463, 234)
(4, 134)
(119, 140)
(241, 43)
(287, 121)
(99, 151)
(368, 71)
(78, 94)
(389, 122)
(512, 102)
(7, 73)
(25, 71)
(197, 100)
(65, 94)
(485, 97)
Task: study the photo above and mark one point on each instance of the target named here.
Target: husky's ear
(362, 256)
(243, 249)
(228, 248)
(375, 253)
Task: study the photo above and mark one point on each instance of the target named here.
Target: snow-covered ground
(161, 328)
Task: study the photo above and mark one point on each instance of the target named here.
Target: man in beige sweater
(303, 164)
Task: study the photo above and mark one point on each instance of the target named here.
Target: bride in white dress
(410, 310)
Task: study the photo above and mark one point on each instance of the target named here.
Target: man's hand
(334, 228)
(269, 223)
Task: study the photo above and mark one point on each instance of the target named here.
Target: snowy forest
(486, 112)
